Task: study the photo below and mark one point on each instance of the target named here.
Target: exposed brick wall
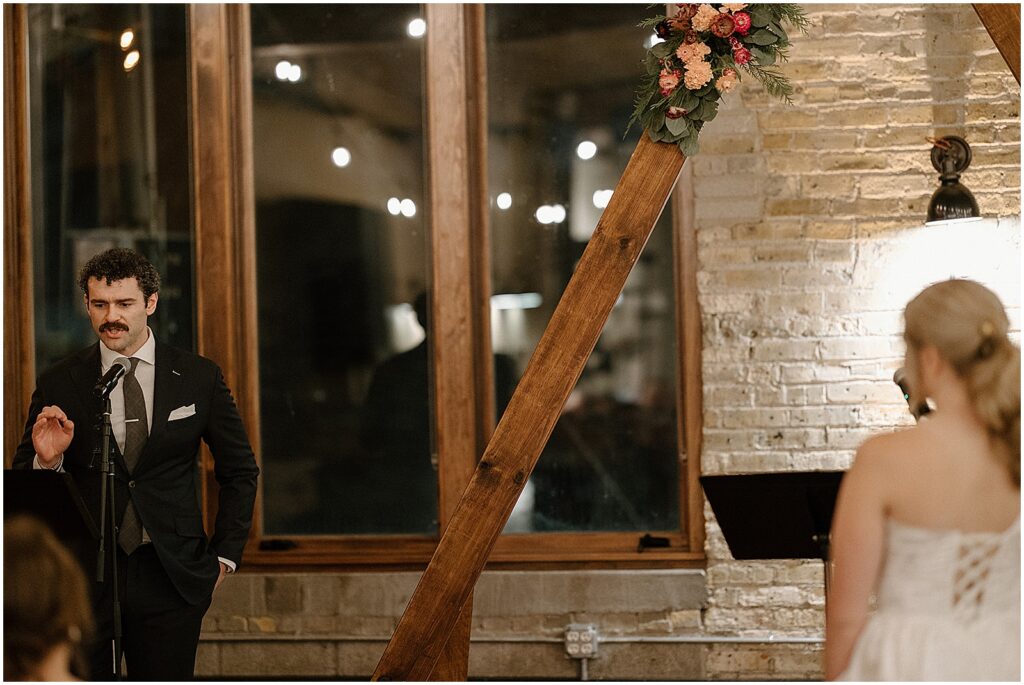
(320, 625)
(810, 243)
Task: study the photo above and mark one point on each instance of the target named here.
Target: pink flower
(690, 52)
(723, 26)
(741, 55)
(705, 15)
(727, 81)
(668, 81)
(675, 112)
(698, 73)
(742, 22)
(735, 42)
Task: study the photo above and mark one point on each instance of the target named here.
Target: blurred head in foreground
(47, 615)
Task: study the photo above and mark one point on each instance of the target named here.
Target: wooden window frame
(220, 78)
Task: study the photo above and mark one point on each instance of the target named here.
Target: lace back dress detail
(948, 608)
(975, 561)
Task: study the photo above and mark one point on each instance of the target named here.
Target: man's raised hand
(51, 435)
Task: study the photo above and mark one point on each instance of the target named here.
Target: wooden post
(460, 370)
(220, 81)
(19, 325)
(1003, 23)
(531, 415)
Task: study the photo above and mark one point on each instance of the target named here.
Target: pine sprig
(775, 84)
(794, 14)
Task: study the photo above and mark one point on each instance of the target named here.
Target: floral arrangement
(703, 52)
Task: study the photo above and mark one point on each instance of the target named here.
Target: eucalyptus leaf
(710, 111)
(658, 121)
(776, 29)
(660, 50)
(677, 126)
(762, 37)
(760, 16)
(689, 146)
(765, 58)
(690, 102)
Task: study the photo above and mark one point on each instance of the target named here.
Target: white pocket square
(182, 413)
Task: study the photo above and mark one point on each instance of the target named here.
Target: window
(321, 163)
(341, 267)
(556, 152)
(108, 156)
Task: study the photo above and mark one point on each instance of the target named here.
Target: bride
(926, 535)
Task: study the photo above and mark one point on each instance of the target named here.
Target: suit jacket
(164, 485)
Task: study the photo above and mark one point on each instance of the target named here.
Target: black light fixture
(952, 202)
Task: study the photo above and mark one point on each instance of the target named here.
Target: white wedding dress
(948, 608)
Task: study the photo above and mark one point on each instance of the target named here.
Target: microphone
(900, 379)
(105, 385)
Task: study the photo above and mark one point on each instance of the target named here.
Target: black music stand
(776, 515)
(51, 497)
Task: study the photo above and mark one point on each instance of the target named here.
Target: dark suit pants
(160, 629)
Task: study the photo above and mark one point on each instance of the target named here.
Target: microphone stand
(107, 508)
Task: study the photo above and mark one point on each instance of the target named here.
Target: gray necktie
(136, 431)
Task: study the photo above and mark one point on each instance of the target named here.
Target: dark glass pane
(561, 81)
(110, 160)
(341, 258)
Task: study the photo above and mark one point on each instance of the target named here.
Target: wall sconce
(951, 155)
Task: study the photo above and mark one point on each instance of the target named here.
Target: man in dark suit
(160, 409)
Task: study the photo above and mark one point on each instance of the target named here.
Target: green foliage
(767, 42)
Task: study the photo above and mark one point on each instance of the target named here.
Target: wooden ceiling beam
(1003, 23)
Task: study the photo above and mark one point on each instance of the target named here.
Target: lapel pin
(175, 372)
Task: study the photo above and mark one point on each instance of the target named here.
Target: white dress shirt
(145, 374)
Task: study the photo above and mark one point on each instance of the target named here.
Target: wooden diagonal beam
(1003, 24)
(531, 415)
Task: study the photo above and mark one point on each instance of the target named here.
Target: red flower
(664, 30)
(742, 23)
(723, 26)
(735, 42)
(690, 37)
(741, 55)
(675, 112)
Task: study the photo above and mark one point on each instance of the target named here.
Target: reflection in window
(341, 265)
(560, 82)
(109, 160)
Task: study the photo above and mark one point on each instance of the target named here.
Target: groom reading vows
(166, 402)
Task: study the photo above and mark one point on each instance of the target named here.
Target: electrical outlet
(581, 641)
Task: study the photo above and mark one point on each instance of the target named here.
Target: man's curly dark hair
(117, 264)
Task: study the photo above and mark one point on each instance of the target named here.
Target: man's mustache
(112, 327)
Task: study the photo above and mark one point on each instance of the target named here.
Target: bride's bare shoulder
(891, 444)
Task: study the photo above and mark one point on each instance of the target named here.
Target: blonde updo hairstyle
(967, 324)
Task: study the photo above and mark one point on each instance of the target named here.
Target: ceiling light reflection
(341, 157)
(131, 60)
(586, 150)
(417, 28)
